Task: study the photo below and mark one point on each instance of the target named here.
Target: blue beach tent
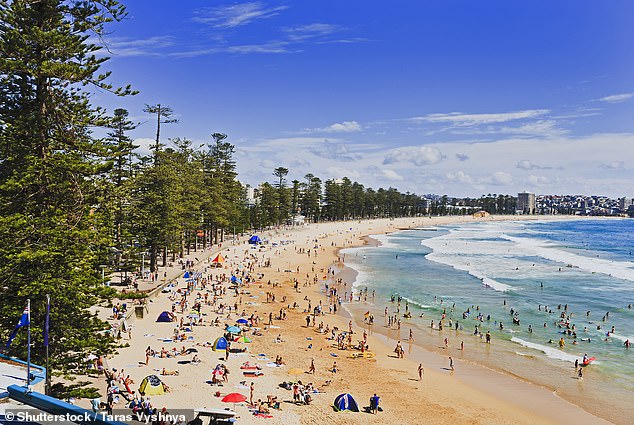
(345, 402)
(186, 275)
(220, 344)
(255, 240)
(166, 316)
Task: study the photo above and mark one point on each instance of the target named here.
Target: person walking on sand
(148, 353)
(451, 364)
(251, 388)
(421, 371)
(311, 369)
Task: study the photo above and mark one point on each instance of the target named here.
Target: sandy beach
(294, 267)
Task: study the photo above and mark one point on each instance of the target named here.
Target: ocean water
(582, 270)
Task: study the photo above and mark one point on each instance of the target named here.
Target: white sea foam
(416, 303)
(619, 269)
(552, 352)
(498, 286)
(464, 249)
(384, 241)
(619, 337)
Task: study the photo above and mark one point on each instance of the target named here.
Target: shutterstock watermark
(33, 416)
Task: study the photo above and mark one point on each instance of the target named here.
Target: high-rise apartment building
(525, 203)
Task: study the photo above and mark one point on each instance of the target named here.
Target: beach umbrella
(242, 339)
(234, 329)
(219, 259)
(234, 398)
(295, 371)
(242, 321)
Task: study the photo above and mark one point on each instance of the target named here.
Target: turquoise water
(534, 268)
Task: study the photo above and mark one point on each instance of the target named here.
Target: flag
(24, 320)
(47, 320)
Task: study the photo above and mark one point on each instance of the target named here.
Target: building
(525, 203)
(624, 203)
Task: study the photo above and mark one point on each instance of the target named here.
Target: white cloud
(526, 164)
(293, 143)
(616, 98)
(423, 155)
(501, 178)
(339, 127)
(508, 165)
(128, 47)
(274, 47)
(303, 32)
(235, 15)
(613, 165)
(460, 119)
(546, 128)
(268, 164)
(459, 177)
(537, 180)
(299, 163)
(144, 144)
(340, 172)
(391, 175)
(332, 150)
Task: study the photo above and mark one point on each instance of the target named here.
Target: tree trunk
(153, 253)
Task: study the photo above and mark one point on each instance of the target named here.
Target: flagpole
(28, 338)
(47, 384)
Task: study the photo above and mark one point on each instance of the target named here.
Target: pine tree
(50, 236)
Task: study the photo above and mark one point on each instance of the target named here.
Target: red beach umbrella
(234, 398)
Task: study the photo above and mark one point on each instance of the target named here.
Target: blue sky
(457, 97)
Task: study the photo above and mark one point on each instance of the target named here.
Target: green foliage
(50, 236)
(78, 390)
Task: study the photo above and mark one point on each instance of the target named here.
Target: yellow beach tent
(152, 385)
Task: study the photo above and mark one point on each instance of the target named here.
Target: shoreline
(557, 405)
(440, 398)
